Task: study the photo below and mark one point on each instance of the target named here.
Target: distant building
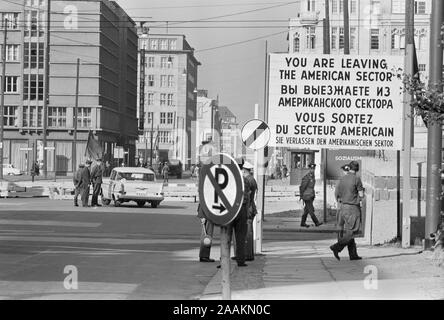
(169, 97)
(231, 142)
(208, 121)
(108, 79)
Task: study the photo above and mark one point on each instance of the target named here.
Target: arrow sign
(221, 189)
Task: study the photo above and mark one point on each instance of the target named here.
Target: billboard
(335, 102)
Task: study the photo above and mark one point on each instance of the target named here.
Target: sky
(234, 73)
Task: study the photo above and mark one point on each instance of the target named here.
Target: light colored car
(10, 170)
(132, 184)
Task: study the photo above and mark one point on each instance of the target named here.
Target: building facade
(104, 38)
(168, 82)
(230, 133)
(208, 122)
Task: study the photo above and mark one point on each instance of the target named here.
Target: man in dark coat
(307, 194)
(96, 179)
(251, 211)
(84, 184)
(77, 179)
(349, 193)
(204, 252)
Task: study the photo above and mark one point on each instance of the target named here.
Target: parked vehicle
(175, 168)
(10, 170)
(132, 184)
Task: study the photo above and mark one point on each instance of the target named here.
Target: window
(173, 44)
(162, 118)
(341, 38)
(334, 6)
(311, 37)
(311, 5)
(170, 81)
(398, 6)
(353, 6)
(32, 87)
(374, 39)
(12, 20)
(34, 23)
(164, 44)
(12, 52)
(151, 80)
(422, 67)
(10, 85)
(163, 99)
(352, 38)
(153, 44)
(334, 35)
(149, 117)
(164, 137)
(56, 117)
(10, 116)
(84, 117)
(170, 99)
(296, 43)
(341, 6)
(163, 81)
(34, 55)
(398, 39)
(420, 7)
(32, 116)
(170, 118)
(164, 62)
(150, 62)
(150, 100)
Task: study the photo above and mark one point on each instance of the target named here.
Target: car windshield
(132, 176)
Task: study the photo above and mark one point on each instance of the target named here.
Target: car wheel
(154, 204)
(106, 202)
(117, 203)
(140, 203)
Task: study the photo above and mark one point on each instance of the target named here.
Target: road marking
(50, 223)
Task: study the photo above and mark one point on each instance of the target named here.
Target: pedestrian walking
(251, 211)
(206, 236)
(349, 194)
(96, 179)
(35, 170)
(284, 172)
(165, 171)
(77, 180)
(85, 182)
(307, 194)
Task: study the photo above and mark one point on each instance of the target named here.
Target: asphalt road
(118, 253)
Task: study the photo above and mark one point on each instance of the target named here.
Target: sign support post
(225, 262)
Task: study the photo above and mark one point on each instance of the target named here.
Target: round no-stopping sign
(221, 189)
(255, 134)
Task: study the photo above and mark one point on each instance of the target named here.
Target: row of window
(161, 136)
(398, 6)
(165, 81)
(32, 86)
(33, 54)
(165, 62)
(162, 44)
(337, 39)
(33, 115)
(166, 99)
(33, 21)
(165, 117)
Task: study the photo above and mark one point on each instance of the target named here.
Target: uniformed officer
(77, 179)
(349, 193)
(307, 194)
(96, 179)
(85, 182)
(252, 211)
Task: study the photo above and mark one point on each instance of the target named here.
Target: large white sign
(336, 102)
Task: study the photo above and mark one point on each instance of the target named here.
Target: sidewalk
(307, 270)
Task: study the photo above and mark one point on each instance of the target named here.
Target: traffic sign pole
(225, 262)
(257, 223)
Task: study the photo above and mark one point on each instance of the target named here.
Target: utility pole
(346, 29)
(406, 153)
(2, 93)
(76, 107)
(434, 138)
(46, 91)
(151, 138)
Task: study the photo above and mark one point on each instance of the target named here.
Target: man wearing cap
(77, 180)
(251, 210)
(307, 194)
(96, 179)
(84, 184)
(349, 193)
